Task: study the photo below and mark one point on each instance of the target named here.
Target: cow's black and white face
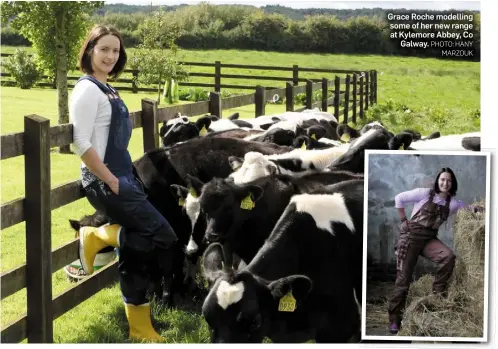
(182, 129)
(240, 306)
(232, 311)
(226, 206)
(255, 165)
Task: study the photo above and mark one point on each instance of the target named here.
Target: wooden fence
(36, 207)
(295, 75)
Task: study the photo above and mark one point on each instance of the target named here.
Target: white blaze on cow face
(228, 294)
(325, 209)
(255, 166)
(193, 208)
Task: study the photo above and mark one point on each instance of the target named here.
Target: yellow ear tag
(247, 203)
(287, 303)
(303, 146)
(345, 137)
(181, 202)
(203, 131)
(313, 136)
(192, 192)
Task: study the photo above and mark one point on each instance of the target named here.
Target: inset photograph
(426, 238)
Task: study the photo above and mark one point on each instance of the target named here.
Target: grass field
(424, 94)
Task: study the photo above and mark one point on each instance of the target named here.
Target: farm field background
(423, 94)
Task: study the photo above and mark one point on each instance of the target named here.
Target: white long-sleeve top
(90, 113)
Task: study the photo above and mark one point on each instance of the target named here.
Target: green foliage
(156, 57)
(23, 69)
(194, 94)
(271, 28)
(39, 21)
(10, 36)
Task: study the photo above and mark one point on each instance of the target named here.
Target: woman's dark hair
(454, 183)
(95, 34)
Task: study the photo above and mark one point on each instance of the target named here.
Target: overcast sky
(423, 5)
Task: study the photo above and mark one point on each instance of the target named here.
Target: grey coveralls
(419, 236)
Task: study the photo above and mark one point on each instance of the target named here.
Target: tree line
(270, 28)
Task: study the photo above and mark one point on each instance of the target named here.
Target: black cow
(300, 284)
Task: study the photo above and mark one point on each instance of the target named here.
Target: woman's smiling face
(445, 182)
(105, 55)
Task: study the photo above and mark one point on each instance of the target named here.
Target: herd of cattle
(272, 209)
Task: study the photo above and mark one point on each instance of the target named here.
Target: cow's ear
(212, 262)
(179, 192)
(196, 184)
(256, 192)
(235, 162)
(297, 285)
(203, 122)
(75, 224)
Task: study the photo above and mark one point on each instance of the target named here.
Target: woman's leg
(145, 234)
(404, 274)
(441, 254)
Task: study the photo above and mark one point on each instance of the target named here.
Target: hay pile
(461, 314)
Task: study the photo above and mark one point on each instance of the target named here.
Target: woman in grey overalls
(143, 235)
(419, 237)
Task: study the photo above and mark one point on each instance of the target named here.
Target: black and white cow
(299, 286)
(181, 129)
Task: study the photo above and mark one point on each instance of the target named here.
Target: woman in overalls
(432, 206)
(101, 133)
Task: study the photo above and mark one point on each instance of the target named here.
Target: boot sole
(82, 253)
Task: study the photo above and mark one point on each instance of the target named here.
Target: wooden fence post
(362, 114)
(134, 82)
(215, 104)
(295, 74)
(309, 94)
(375, 86)
(289, 96)
(367, 89)
(37, 213)
(149, 124)
(217, 76)
(337, 95)
(355, 89)
(259, 100)
(325, 90)
(346, 98)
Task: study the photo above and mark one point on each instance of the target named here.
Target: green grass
(440, 95)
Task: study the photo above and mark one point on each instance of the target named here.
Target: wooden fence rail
(217, 76)
(35, 208)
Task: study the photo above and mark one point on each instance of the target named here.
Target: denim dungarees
(146, 235)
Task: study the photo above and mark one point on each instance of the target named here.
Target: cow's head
(182, 129)
(241, 306)
(188, 198)
(254, 166)
(226, 206)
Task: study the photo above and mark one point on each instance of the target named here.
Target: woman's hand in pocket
(114, 185)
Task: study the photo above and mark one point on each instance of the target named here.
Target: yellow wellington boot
(140, 324)
(92, 240)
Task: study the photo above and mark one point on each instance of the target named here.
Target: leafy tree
(156, 57)
(56, 29)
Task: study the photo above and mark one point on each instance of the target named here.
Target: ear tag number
(247, 203)
(313, 136)
(203, 131)
(192, 192)
(181, 202)
(287, 303)
(345, 137)
(303, 146)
